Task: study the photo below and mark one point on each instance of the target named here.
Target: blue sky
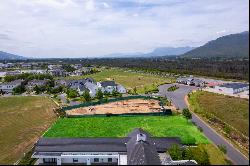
(89, 28)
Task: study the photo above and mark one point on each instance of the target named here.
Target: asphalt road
(177, 98)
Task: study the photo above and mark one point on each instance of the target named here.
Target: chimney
(141, 137)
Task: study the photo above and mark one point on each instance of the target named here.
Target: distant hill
(161, 51)
(8, 56)
(229, 46)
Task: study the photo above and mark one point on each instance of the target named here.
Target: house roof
(108, 83)
(234, 85)
(138, 152)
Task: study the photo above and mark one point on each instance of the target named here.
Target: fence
(163, 113)
(103, 101)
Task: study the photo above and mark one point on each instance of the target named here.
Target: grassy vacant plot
(22, 121)
(142, 82)
(232, 110)
(159, 126)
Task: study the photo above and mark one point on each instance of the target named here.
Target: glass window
(96, 160)
(75, 160)
(109, 160)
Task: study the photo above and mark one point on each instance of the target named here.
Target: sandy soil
(120, 107)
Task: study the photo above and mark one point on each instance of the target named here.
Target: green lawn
(23, 120)
(143, 82)
(160, 126)
(232, 110)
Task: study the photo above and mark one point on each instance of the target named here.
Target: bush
(99, 94)
(175, 152)
(19, 89)
(186, 113)
(72, 93)
(86, 95)
(222, 148)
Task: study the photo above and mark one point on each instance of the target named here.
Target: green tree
(186, 113)
(19, 89)
(71, 93)
(99, 94)
(175, 152)
(135, 90)
(86, 95)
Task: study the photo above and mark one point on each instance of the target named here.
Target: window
(75, 160)
(49, 160)
(96, 160)
(109, 160)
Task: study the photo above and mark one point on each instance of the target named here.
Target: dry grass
(22, 121)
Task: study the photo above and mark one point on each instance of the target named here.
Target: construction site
(119, 107)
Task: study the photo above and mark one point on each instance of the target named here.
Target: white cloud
(75, 28)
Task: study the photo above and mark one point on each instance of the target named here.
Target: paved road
(177, 97)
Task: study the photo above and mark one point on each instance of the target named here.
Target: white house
(92, 87)
(8, 87)
(232, 88)
(121, 89)
(107, 86)
(138, 148)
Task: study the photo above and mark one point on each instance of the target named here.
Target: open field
(142, 82)
(119, 107)
(227, 115)
(234, 111)
(22, 121)
(160, 126)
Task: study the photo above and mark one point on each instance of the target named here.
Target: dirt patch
(120, 107)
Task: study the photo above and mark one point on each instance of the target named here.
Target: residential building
(13, 73)
(191, 81)
(26, 65)
(121, 89)
(34, 71)
(83, 85)
(107, 86)
(232, 88)
(32, 83)
(8, 87)
(138, 148)
(57, 72)
(92, 88)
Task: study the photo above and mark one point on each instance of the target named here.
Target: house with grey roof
(191, 81)
(138, 148)
(7, 87)
(232, 88)
(110, 86)
(32, 83)
(83, 85)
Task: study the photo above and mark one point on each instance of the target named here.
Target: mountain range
(229, 46)
(158, 52)
(8, 56)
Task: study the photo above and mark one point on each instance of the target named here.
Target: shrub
(222, 148)
(175, 152)
(186, 113)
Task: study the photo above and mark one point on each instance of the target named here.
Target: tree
(186, 113)
(175, 152)
(86, 95)
(19, 89)
(135, 90)
(99, 94)
(71, 93)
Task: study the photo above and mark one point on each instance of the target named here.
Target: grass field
(22, 121)
(142, 82)
(159, 126)
(234, 111)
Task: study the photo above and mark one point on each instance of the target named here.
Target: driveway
(177, 98)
